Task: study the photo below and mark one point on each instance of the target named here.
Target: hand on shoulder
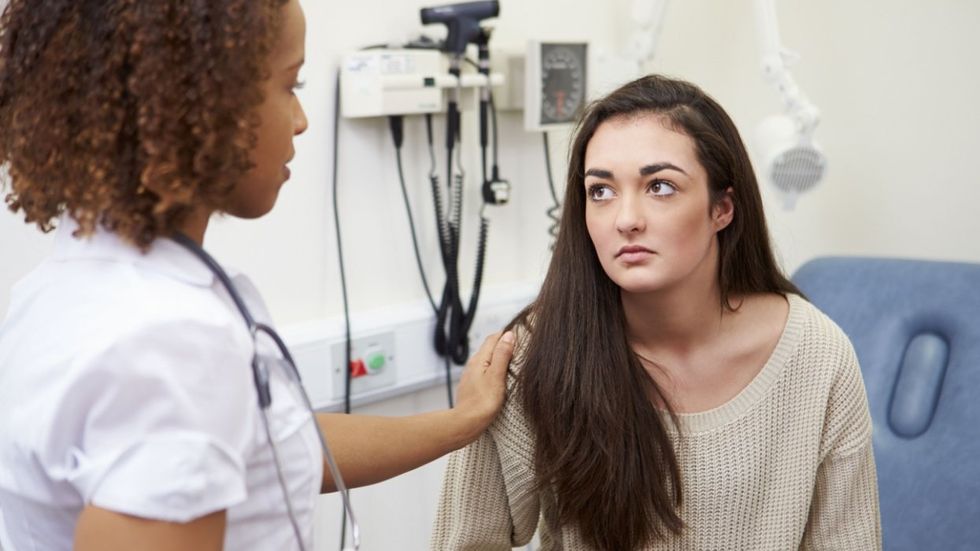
(482, 388)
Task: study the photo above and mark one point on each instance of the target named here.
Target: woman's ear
(723, 210)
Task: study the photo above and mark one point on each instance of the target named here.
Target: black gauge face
(563, 82)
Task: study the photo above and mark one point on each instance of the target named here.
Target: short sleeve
(166, 418)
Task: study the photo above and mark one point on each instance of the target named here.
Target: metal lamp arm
(648, 17)
(775, 68)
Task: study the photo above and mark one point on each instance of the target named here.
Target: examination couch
(916, 328)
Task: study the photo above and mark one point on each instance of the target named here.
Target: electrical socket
(404, 332)
(379, 345)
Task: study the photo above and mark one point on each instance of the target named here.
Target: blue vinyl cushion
(916, 328)
(918, 386)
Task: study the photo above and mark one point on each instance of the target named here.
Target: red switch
(357, 368)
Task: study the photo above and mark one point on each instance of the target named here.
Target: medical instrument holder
(384, 82)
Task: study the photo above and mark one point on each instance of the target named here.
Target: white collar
(164, 256)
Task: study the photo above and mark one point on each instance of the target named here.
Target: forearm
(370, 449)
(103, 530)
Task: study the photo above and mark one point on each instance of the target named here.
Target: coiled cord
(554, 211)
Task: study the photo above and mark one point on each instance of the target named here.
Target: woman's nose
(629, 218)
(300, 122)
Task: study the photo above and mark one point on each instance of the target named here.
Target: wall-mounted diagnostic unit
(383, 82)
(556, 84)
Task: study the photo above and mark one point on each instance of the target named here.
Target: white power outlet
(402, 335)
(373, 364)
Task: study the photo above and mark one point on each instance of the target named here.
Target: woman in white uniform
(129, 418)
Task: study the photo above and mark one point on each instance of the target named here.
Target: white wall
(897, 83)
(896, 80)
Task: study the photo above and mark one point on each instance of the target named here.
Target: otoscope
(463, 23)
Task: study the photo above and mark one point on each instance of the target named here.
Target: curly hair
(128, 113)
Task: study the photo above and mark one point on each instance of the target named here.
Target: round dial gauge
(562, 81)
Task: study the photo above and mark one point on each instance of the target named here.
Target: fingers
(503, 350)
(494, 355)
(482, 358)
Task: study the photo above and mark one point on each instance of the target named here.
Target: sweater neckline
(758, 388)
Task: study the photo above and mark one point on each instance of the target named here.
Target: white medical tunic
(125, 383)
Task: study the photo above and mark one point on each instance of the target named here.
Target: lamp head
(791, 161)
(462, 20)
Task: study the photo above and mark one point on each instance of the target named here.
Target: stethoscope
(260, 374)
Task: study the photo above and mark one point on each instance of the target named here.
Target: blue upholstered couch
(916, 328)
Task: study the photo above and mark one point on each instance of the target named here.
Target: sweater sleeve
(844, 511)
(488, 502)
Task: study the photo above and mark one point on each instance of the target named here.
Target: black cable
(436, 192)
(481, 255)
(553, 211)
(397, 133)
(447, 318)
(433, 172)
(340, 245)
(453, 321)
(343, 275)
(445, 253)
(398, 138)
(493, 120)
(547, 166)
(483, 165)
(457, 345)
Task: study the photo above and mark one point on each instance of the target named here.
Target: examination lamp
(462, 21)
(791, 161)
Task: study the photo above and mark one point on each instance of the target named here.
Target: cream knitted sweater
(784, 465)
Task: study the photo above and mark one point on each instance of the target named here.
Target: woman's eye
(662, 188)
(599, 192)
(298, 85)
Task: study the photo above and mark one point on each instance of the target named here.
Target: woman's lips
(633, 253)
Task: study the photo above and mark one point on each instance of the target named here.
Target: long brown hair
(128, 113)
(601, 445)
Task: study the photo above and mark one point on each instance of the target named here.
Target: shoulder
(522, 328)
(822, 345)
(511, 429)
(113, 329)
(828, 365)
(168, 322)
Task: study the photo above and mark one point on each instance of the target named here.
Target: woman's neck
(678, 319)
(195, 225)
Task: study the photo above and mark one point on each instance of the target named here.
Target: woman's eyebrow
(599, 173)
(644, 171)
(657, 167)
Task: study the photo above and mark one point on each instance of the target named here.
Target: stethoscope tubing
(261, 378)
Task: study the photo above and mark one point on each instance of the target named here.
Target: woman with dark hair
(671, 389)
(128, 415)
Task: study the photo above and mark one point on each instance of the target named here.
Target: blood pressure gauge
(555, 84)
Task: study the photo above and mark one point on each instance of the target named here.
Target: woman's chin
(639, 283)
